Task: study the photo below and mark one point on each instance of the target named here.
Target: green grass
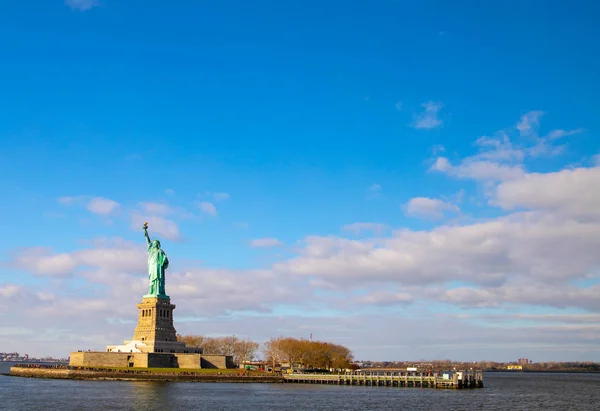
(202, 371)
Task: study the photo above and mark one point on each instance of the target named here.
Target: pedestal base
(155, 327)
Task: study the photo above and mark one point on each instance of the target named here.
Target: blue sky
(306, 166)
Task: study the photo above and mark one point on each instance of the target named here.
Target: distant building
(514, 367)
(523, 361)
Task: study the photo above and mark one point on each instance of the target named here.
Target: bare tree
(240, 350)
(304, 353)
(192, 340)
(244, 350)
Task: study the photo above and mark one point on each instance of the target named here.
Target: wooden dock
(445, 379)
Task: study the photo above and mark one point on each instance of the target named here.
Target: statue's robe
(157, 264)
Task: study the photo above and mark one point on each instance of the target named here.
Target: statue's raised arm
(146, 234)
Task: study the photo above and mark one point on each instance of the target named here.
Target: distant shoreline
(34, 362)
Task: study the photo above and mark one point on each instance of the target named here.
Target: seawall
(66, 374)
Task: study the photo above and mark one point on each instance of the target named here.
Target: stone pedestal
(155, 326)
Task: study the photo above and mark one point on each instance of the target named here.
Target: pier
(444, 379)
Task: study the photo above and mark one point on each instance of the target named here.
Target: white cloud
(428, 119)
(399, 106)
(265, 242)
(82, 5)
(544, 148)
(205, 292)
(221, 196)
(429, 208)
(169, 191)
(531, 248)
(570, 192)
(376, 188)
(103, 206)
(571, 318)
(207, 208)
(357, 228)
(441, 164)
(529, 127)
(156, 225)
(162, 209)
(70, 200)
(155, 208)
(536, 294)
(383, 298)
(487, 170)
(15, 331)
(96, 205)
(556, 134)
(474, 297)
(152, 212)
(478, 170)
(456, 198)
(596, 160)
(43, 262)
(530, 123)
(499, 159)
(9, 290)
(497, 149)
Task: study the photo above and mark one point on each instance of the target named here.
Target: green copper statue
(157, 264)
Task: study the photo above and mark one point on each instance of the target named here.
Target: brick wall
(140, 360)
(99, 359)
(217, 361)
(188, 360)
(161, 360)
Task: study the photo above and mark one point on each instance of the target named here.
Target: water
(504, 391)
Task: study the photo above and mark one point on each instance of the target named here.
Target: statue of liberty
(157, 264)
